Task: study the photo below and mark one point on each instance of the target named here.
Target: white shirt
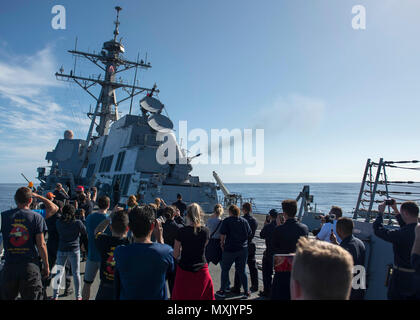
(325, 232)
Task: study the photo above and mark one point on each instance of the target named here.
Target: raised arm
(50, 207)
(102, 226)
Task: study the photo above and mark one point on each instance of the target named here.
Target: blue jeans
(239, 258)
(62, 257)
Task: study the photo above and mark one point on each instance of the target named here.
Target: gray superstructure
(123, 150)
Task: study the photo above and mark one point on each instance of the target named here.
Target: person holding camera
(402, 285)
(141, 267)
(69, 230)
(192, 280)
(330, 225)
(59, 193)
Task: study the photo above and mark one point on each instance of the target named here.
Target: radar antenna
(111, 62)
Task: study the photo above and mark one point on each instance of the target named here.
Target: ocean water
(266, 195)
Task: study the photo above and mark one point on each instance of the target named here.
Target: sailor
(402, 284)
(354, 246)
(59, 193)
(116, 193)
(180, 204)
(267, 260)
(284, 240)
(252, 262)
(415, 253)
(328, 226)
(24, 244)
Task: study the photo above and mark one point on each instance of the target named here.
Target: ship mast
(111, 61)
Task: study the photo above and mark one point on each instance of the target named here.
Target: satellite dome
(68, 134)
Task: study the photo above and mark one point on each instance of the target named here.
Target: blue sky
(327, 96)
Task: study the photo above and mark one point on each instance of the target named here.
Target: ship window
(120, 161)
(124, 182)
(106, 163)
(90, 169)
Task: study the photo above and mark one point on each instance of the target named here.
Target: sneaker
(68, 291)
(221, 294)
(246, 295)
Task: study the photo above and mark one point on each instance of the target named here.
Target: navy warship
(122, 154)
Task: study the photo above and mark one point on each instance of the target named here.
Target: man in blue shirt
(93, 262)
(252, 261)
(234, 235)
(23, 233)
(141, 267)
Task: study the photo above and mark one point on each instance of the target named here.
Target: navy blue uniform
(402, 284)
(252, 262)
(267, 260)
(415, 262)
(357, 250)
(181, 206)
(60, 195)
(237, 232)
(284, 240)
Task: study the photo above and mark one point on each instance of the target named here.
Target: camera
(161, 219)
(389, 202)
(329, 218)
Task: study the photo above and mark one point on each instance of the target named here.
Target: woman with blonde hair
(213, 249)
(192, 280)
(131, 202)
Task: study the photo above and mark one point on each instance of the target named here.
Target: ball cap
(80, 188)
(273, 213)
(50, 195)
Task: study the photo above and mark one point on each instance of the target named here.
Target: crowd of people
(157, 251)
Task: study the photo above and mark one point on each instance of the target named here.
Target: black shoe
(264, 294)
(235, 290)
(68, 291)
(253, 289)
(221, 294)
(246, 295)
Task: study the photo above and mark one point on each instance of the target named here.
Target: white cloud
(31, 121)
